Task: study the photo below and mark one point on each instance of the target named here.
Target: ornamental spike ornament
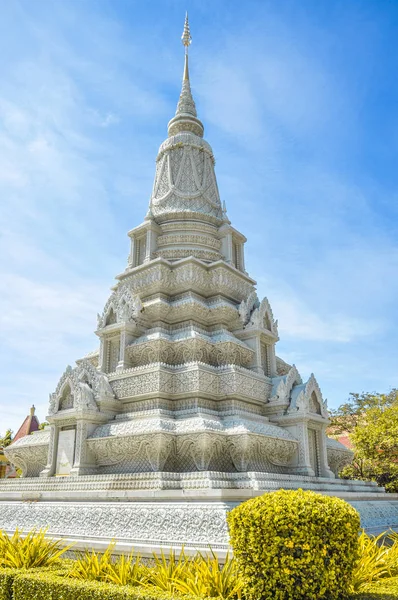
(186, 116)
(186, 34)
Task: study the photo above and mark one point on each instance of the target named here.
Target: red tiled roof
(345, 440)
(30, 424)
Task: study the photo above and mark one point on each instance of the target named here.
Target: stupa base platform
(150, 511)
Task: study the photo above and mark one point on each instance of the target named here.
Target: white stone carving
(185, 183)
(283, 385)
(308, 398)
(247, 307)
(29, 453)
(261, 317)
(125, 306)
(80, 388)
(197, 524)
(84, 398)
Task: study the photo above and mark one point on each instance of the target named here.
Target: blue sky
(299, 103)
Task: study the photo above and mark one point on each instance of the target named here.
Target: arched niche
(267, 322)
(110, 317)
(313, 404)
(67, 400)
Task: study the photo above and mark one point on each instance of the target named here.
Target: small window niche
(139, 250)
(67, 400)
(237, 254)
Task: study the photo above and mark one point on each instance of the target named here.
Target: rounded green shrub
(294, 544)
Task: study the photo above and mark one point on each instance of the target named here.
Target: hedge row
(6, 581)
(7, 577)
(47, 585)
(51, 585)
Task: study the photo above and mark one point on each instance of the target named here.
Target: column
(49, 470)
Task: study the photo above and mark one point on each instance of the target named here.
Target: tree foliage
(371, 421)
(7, 439)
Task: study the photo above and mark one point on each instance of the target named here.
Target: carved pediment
(283, 385)
(256, 315)
(246, 307)
(121, 307)
(307, 398)
(80, 388)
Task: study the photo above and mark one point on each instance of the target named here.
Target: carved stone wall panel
(245, 385)
(215, 349)
(30, 459)
(134, 454)
(261, 453)
(193, 378)
(30, 453)
(185, 252)
(202, 448)
(189, 276)
(191, 238)
(195, 524)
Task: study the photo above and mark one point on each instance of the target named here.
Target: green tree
(371, 421)
(7, 439)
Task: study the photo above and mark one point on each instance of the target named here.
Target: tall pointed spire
(186, 116)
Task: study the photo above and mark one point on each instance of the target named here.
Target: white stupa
(185, 408)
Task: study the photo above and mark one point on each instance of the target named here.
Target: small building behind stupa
(30, 425)
(186, 408)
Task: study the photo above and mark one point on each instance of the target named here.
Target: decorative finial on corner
(224, 213)
(186, 34)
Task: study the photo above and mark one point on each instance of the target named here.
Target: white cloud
(298, 320)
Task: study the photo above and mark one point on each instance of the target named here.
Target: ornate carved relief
(307, 398)
(29, 453)
(185, 179)
(217, 349)
(80, 388)
(121, 307)
(260, 453)
(191, 275)
(138, 452)
(283, 385)
(247, 307)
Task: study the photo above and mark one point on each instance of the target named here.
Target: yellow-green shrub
(384, 589)
(378, 559)
(96, 566)
(204, 576)
(30, 551)
(7, 577)
(6, 581)
(201, 575)
(45, 586)
(295, 544)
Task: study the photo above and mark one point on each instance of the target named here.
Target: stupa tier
(186, 391)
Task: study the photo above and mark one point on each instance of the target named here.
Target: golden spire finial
(186, 34)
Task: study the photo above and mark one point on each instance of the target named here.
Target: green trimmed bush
(8, 575)
(295, 544)
(6, 581)
(46, 586)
